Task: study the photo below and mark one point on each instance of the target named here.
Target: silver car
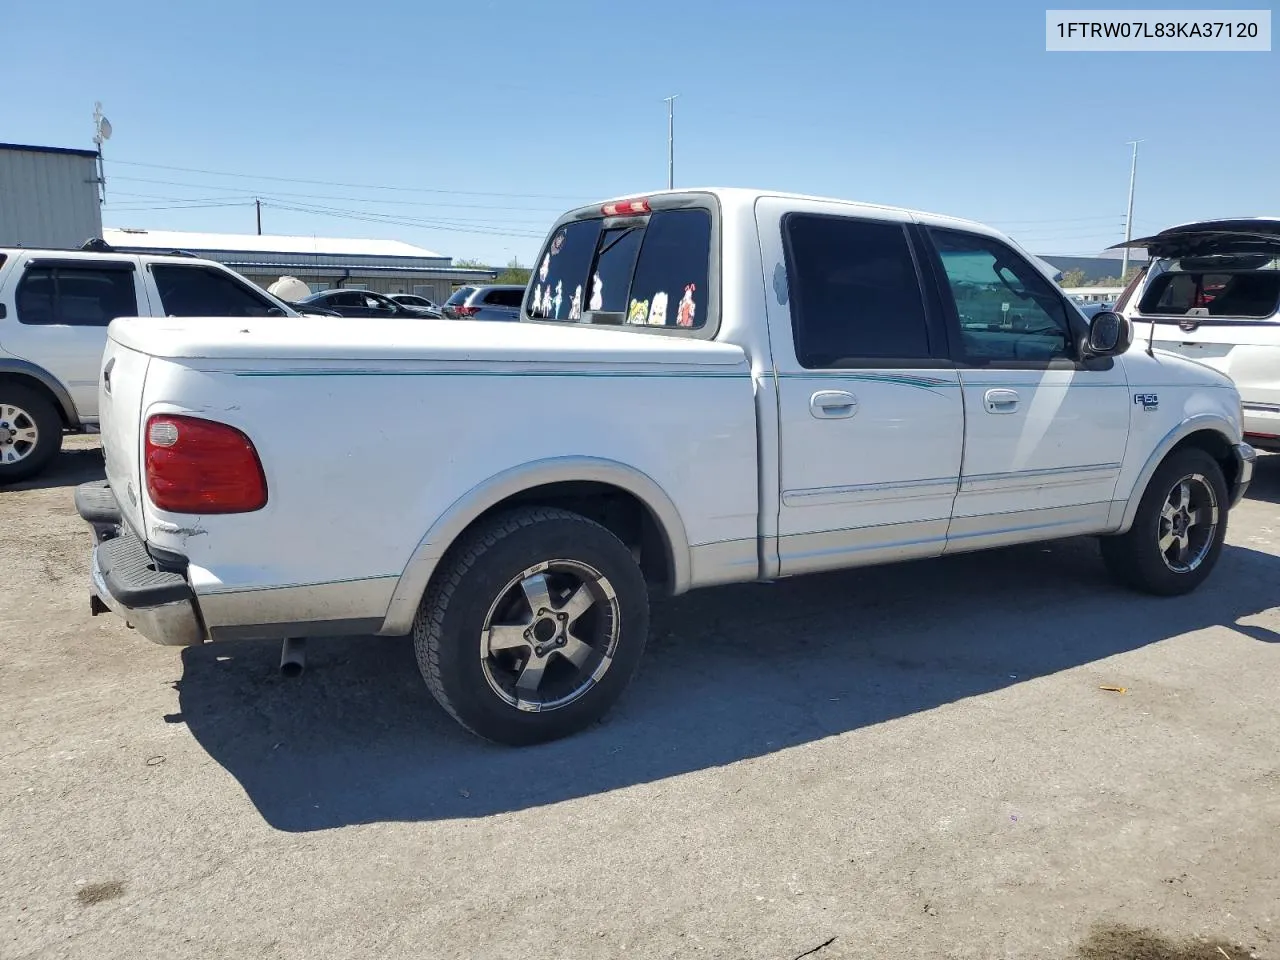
(497, 301)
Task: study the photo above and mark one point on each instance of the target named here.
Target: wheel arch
(1205, 431)
(615, 494)
(37, 378)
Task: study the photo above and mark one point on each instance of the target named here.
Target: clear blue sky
(494, 115)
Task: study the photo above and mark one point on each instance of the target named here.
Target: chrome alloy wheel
(550, 635)
(19, 434)
(1188, 523)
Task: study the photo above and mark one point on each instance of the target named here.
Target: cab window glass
(1008, 310)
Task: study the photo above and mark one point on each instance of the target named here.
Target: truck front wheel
(532, 626)
(1179, 528)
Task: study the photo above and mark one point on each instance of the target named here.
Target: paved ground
(915, 761)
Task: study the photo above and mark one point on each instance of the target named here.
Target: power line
(500, 221)
(360, 186)
(393, 221)
(325, 196)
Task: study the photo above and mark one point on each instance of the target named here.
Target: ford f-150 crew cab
(705, 386)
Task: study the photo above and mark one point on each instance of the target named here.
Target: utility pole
(1128, 220)
(258, 204)
(101, 132)
(671, 140)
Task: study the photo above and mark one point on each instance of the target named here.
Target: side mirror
(1110, 334)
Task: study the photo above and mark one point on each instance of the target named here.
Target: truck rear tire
(532, 626)
(30, 432)
(1177, 534)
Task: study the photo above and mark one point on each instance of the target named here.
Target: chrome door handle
(833, 404)
(1001, 401)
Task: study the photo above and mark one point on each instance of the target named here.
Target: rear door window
(648, 271)
(75, 296)
(204, 292)
(459, 295)
(854, 291)
(504, 298)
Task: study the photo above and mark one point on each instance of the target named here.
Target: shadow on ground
(730, 673)
(1266, 479)
(69, 468)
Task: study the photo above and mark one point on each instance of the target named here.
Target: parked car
(1211, 292)
(54, 309)
(746, 386)
(488, 302)
(364, 303)
(413, 300)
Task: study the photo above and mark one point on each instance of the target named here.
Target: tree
(1073, 278)
(470, 265)
(514, 273)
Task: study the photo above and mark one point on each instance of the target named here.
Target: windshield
(460, 295)
(1218, 287)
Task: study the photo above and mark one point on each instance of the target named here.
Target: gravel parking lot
(921, 760)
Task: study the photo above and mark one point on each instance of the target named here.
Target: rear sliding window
(647, 271)
(1253, 294)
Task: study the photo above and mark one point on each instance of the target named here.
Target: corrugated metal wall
(48, 199)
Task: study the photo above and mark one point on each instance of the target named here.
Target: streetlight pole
(671, 140)
(1128, 220)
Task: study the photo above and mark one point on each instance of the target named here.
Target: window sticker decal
(575, 307)
(658, 310)
(557, 299)
(597, 293)
(557, 243)
(545, 268)
(687, 310)
(639, 311)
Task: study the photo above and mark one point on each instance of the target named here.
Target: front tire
(1177, 534)
(533, 626)
(30, 432)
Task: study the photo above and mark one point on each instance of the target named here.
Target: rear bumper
(1245, 459)
(124, 578)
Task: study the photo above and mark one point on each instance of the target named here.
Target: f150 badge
(1149, 401)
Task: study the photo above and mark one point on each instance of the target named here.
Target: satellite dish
(104, 128)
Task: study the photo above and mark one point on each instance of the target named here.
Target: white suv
(54, 309)
(1211, 293)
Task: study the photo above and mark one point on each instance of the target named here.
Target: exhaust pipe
(293, 657)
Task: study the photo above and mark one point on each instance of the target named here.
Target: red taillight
(625, 208)
(466, 311)
(200, 466)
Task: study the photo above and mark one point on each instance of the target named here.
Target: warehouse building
(322, 263)
(48, 196)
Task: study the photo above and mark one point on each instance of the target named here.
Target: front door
(1045, 433)
(870, 416)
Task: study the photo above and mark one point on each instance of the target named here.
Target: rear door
(870, 415)
(503, 304)
(62, 306)
(1045, 433)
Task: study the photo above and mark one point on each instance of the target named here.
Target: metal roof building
(385, 266)
(48, 196)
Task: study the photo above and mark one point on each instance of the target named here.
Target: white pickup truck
(705, 387)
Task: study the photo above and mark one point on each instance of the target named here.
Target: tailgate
(124, 372)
